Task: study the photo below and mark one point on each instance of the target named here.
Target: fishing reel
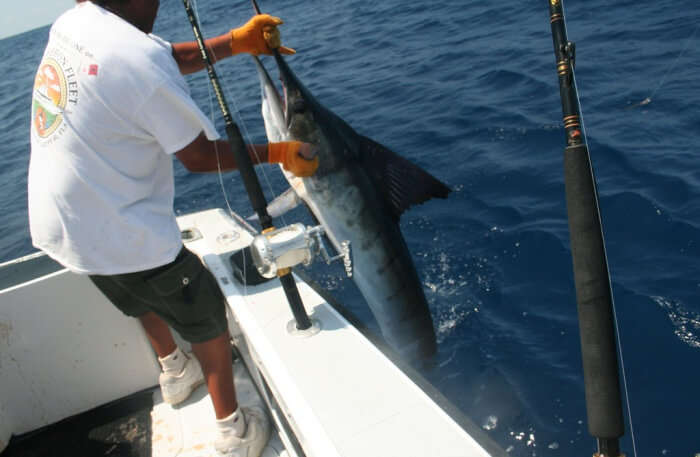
(289, 246)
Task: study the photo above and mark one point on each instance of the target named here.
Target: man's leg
(240, 431)
(158, 334)
(181, 374)
(215, 357)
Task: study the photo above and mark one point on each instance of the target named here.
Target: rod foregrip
(250, 179)
(593, 294)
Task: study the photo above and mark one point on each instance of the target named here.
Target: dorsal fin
(401, 182)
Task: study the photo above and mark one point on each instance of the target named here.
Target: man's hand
(298, 158)
(258, 36)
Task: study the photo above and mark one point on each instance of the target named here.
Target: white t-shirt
(110, 107)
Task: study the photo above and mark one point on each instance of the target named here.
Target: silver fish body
(358, 194)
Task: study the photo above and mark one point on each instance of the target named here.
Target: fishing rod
(250, 179)
(257, 8)
(591, 276)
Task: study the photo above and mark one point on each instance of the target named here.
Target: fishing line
(612, 299)
(239, 119)
(648, 100)
(247, 139)
(211, 116)
(218, 158)
(607, 268)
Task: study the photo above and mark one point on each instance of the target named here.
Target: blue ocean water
(468, 90)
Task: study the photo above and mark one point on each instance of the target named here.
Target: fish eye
(299, 106)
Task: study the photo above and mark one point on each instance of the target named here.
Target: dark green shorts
(183, 293)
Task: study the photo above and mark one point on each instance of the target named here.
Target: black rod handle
(593, 294)
(250, 178)
(591, 276)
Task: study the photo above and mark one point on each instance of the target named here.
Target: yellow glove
(258, 36)
(288, 154)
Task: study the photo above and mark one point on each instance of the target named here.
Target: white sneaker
(252, 444)
(176, 388)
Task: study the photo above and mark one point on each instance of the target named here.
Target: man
(110, 108)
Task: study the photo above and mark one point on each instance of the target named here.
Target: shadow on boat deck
(121, 428)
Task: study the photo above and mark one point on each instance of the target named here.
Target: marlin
(358, 193)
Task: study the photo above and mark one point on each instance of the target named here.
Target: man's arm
(189, 58)
(258, 36)
(200, 156)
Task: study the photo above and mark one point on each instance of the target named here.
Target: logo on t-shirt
(55, 87)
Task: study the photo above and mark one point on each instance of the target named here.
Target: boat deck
(141, 425)
(331, 393)
(187, 430)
